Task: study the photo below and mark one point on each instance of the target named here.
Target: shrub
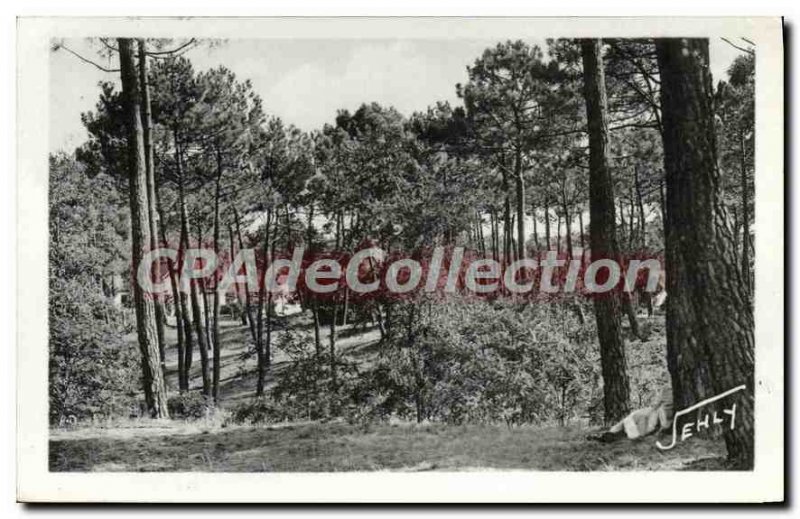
(189, 405)
(485, 362)
(93, 372)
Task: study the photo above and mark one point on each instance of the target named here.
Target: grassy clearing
(172, 446)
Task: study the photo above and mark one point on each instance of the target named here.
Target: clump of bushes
(190, 405)
(93, 372)
(484, 362)
(306, 388)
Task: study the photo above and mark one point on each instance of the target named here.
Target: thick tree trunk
(602, 235)
(709, 317)
(146, 327)
(745, 214)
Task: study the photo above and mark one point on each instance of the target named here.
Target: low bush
(189, 405)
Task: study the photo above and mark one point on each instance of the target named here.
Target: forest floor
(330, 447)
(133, 445)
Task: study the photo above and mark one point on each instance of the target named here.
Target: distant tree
(512, 102)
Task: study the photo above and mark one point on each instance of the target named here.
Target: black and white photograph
(408, 248)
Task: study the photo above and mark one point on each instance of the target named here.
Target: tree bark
(152, 375)
(602, 235)
(709, 318)
(745, 214)
(152, 213)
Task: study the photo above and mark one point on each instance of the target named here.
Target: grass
(331, 447)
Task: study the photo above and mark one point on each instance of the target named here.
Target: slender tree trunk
(602, 235)
(558, 232)
(520, 204)
(631, 223)
(268, 316)
(506, 216)
(180, 316)
(185, 300)
(640, 205)
(623, 225)
(663, 200)
(710, 343)
(481, 237)
(535, 228)
(204, 294)
(513, 241)
(239, 298)
(248, 305)
(547, 224)
(200, 327)
(152, 214)
(568, 224)
(262, 296)
(215, 330)
(495, 239)
(582, 228)
(146, 327)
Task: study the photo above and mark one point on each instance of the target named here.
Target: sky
(302, 81)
